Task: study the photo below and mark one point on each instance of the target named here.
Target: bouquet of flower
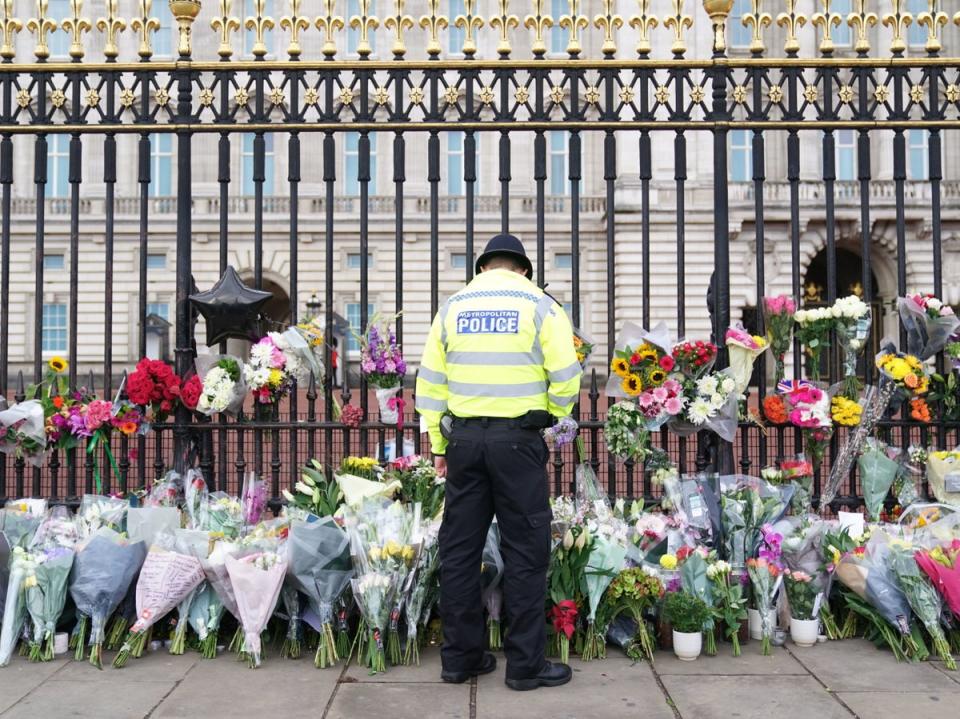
(419, 483)
(314, 493)
(22, 575)
(929, 323)
(775, 409)
(801, 594)
(223, 384)
(877, 472)
(23, 431)
(731, 604)
(813, 331)
(905, 371)
(383, 366)
(852, 323)
(266, 373)
(845, 412)
(695, 358)
(583, 346)
(661, 404)
(634, 592)
(810, 413)
(155, 387)
(743, 350)
(320, 569)
(641, 360)
(567, 585)
(97, 511)
(606, 561)
(943, 476)
(778, 314)
(695, 582)
(765, 581)
(103, 569)
(253, 499)
(711, 404)
(301, 356)
(942, 565)
(923, 599)
(491, 574)
(46, 592)
(625, 431)
(421, 585)
(256, 580)
(224, 515)
(166, 578)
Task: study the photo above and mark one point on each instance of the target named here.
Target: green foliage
(685, 612)
(944, 392)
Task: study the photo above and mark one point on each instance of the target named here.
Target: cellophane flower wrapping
(943, 476)
(852, 330)
(868, 575)
(491, 575)
(877, 472)
(23, 433)
(97, 512)
(632, 336)
(22, 565)
(422, 585)
(256, 580)
(929, 323)
(388, 414)
(196, 499)
(941, 565)
(625, 432)
(745, 508)
(778, 314)
(253, 498)
(320, 569)
(765, 580)
(922, 597)
(224, 386)
(711, 403)
(103, 569)
(742, 351)
(53, 550)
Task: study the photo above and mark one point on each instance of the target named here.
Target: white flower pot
(687, 645)
(804, 632)
(756, 626)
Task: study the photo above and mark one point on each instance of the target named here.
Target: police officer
(499, 365)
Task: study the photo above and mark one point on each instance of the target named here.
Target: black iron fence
(627, 94)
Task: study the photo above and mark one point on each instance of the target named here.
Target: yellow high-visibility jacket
(500, 347)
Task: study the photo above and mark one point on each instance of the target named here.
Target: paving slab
(856, 665)
(361, 700)
(922, 705)
(223, 688)
(20, 677)
(951, 674)
(427, 673)
(118, 700)
(158, 666)
(750, 662)
(612, 688)
(783, 697)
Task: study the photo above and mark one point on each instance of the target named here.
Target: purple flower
(78, 427)
(674, 585)
(390, 366)
(401, 367)
(367, 366)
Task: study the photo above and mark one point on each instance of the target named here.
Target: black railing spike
(21, 390)
(90, 383)
(312, 387)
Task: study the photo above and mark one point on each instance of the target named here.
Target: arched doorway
(276, 312)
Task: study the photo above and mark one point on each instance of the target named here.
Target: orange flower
(919, 410)
(58, 402)
(774, 409)
(128, 428)
(911, 380)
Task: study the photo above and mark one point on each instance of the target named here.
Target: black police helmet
(506, 245)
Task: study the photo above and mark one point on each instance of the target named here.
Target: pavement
(836, 680)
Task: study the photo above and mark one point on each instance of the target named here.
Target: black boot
(487, 665)
(552, 675)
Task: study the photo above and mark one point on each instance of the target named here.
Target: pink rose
(660, 394)
(645, 399)
(673, 405)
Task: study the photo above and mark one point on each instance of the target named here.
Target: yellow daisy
(620, 366)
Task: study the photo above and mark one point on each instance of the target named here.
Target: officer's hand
(440, 465)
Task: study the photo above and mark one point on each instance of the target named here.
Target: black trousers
(497, 468)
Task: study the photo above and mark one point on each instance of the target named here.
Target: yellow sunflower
(620, 366)
(650, 354)
(632, 385)
(657, 377)
(57, 364)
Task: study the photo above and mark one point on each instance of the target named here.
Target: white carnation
(728, 385)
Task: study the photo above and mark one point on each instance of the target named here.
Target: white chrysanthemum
(699, 411)
(716, 400)
(707, 385)
(261, 354)
(728, 385)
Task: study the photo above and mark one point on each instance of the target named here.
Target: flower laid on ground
(763, 576)
(845, 412)
(633, 593)
(694, 358)
(801, 593)
(731, 604)
(778, 314)
(154, 386)
(813, 331)
(774, 409)
(266, 373)
(566, 586)
(852, 323)
(923, 599)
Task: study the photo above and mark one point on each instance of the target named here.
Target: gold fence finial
(644, 22)
(610, 22)
(364, 22)
(861, 20)
(294, 23)
(824, 20)
(756, 20)
(40, 26)
(225, 23)
(504, 21)
(934, 19)
(433, 24)
(328, 24)
(898, 20)
(793, 21)
(9, 27)
(145, 26)
(259, 23)
(539, 22)
(573, 24)
(398, 22)
(75, 25)
(678, 22)
(469, 22)
(185, 12)
(111, 26)
(718, 11)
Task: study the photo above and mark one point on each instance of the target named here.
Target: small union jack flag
(786, 386)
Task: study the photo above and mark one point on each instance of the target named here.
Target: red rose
(635, 358)
(667, 363)
(190, 394)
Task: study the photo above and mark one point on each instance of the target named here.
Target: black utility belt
(534, 419)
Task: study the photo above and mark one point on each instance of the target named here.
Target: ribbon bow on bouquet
(396, 404)
(564, 616)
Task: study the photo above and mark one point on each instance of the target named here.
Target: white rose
(729, 385)
(800, 316)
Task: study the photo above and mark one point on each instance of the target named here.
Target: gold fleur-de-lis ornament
(40, 26)
(398, 22)
(469, 22)
(294, 23)
(184, 12)
(934, 20)
(643, 22)
(145, 26)
(504, 21)
(898, 20)
(365, 23)
(756, 20)
(75, 26)
(224, 23)
(111, 26)
(259, 23)
(677, 22)
(329, 23)
(573, 23)
(792, 21)
(861, 20)
(433, 24)
(539, 22)
(9, 27)
(826, 20)
(609, 22)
